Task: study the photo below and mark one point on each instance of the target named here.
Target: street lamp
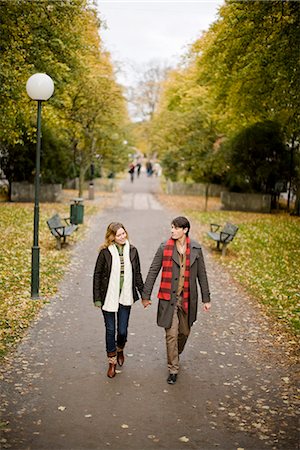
(39, 87)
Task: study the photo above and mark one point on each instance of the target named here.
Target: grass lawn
(264, 256)
(17, 309)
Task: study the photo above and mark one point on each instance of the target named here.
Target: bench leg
(58, 243)
(224, 249)
(218, 245)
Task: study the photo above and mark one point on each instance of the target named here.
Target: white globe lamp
(40, 86)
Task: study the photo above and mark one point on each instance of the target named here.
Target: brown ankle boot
(120, 357)
(111, 370)
(112, 363)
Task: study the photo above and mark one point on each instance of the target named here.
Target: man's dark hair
(181, 222)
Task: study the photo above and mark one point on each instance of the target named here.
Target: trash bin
(76, 211)
(91, 191)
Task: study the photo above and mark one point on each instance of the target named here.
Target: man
(182, 264)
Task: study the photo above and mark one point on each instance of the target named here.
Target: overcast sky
(140, 31)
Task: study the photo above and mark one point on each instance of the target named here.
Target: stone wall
(105, 184)
(246, 202)
(100, 184)
(230, 200)
(24, 192)
(176, 188)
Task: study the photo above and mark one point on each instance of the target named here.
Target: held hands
(206, 307)
(146, 303)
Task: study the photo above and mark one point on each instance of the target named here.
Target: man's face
(177, 232)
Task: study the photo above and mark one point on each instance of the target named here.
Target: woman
(117, 281)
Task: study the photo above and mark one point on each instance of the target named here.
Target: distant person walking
(138, 169)
(131, 172)
(149, 168)
(182, 264)
(117, 282)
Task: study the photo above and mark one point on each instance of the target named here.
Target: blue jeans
(110, 328)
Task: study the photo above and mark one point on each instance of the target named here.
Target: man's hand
(146, 303)
(206, 307)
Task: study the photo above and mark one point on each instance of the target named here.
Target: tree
(18, 162)
(183, 131)
(249, 61)
(62, 39)
(36, 37)
(144, 97)
(258, 159)
(93, 107)
(244, 70)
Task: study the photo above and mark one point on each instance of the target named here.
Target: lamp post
(39, 87)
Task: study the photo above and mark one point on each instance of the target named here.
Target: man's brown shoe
(120, 358)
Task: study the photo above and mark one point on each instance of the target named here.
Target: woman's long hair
(111, 232)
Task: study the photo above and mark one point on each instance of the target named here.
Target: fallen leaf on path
(184, 439)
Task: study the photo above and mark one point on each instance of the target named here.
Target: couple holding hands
(118, 282)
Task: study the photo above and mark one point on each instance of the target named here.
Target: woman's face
(121, 236)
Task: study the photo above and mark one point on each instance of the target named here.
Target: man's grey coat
(197, 272)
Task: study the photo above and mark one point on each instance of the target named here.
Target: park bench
(222, 236)
(59, 229)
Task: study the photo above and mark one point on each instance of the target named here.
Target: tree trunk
(206, 196)
(81, 180)
(296, 211)
(291, 174)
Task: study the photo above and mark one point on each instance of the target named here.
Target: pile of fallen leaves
(17, 309)
(264, 256)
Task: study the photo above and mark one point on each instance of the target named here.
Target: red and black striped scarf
(166, 276)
